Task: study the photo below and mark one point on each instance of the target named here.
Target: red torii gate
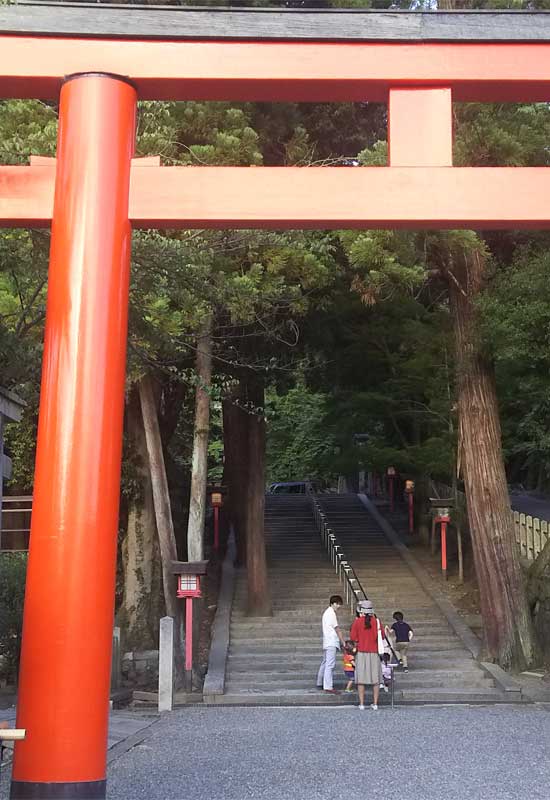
(99, 63)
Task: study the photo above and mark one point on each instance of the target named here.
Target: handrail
(354, 592)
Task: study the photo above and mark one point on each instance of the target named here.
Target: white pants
(324, 676)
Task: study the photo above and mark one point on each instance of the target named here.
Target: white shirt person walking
(332, 639)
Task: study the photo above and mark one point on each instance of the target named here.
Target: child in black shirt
(402, 633)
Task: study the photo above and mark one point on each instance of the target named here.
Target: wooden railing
(531, 532)
(531, 535)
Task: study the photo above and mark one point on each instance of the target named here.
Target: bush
(13, 568)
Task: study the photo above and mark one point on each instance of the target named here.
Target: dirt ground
(464, 596)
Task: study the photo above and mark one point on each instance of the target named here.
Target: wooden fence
(531, 534)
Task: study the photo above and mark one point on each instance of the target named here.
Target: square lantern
(189, 586)
(189, 577)
(441, 508)
(409, 487)
(216, 499)
(390, 472)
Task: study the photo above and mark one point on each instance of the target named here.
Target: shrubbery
(13, 567)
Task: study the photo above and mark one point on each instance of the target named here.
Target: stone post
(116, 660)
(166, 664)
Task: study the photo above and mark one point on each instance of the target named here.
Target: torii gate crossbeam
(92, 195)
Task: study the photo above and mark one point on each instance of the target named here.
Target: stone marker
(166, 664)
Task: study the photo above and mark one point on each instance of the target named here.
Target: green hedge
(13, 568)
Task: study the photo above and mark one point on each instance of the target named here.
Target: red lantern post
(390, 472)
(443, 518)
(189, 586)
(409, 489)
(216, 499)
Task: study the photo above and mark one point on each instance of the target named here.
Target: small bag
(381, 648)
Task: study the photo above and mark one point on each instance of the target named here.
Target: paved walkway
(442, 752)
(439, 753)
(126, 730)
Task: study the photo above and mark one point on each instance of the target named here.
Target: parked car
(290, 487)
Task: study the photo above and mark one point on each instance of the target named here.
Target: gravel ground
(419, 753)
(443, 753)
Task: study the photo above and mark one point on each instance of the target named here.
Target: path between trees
(274, 660)
(535, 506)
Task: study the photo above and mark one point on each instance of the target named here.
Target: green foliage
(516, 329)
(506, 134)
(13, 567)
(197, 133)
(27, 127)
(300, 442)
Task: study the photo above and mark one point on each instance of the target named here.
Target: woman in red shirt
(365, 633)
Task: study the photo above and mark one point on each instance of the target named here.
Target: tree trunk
(140, 610)
(161, 500)
(539, 597)
(199, 471)
(460, 553)
(235, 446)
(509, 638)
(259, 597)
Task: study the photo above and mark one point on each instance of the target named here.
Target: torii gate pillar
(69, 602)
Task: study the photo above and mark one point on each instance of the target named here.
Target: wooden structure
(15, 524)
(532, 534)
(98, 61)
(11, 408)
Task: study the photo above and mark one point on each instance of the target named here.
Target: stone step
(407, 584)
(312, 639)
(312, 613)
(402, 683)
(470, 671)
(329, 584)
(239, 663)
(312, 655)
(312, 605)
(314, 697)
(298, 626)
(299, 639)
(455, 695)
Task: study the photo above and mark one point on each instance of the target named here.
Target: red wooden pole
(444, 548)
(67, 632)
(411, 512)
(390, 478)
(189, 643)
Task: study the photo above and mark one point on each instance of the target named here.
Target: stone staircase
(274, 660)
(441, 668)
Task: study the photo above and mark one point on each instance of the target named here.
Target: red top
(366, 638)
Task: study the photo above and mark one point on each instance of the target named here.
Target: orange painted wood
(312, 197)
(26, 195)
(49, 161)
(308, 71)
(318, 197)
(420, 129)
(64, 678)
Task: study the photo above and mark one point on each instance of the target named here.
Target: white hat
(365, 607)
